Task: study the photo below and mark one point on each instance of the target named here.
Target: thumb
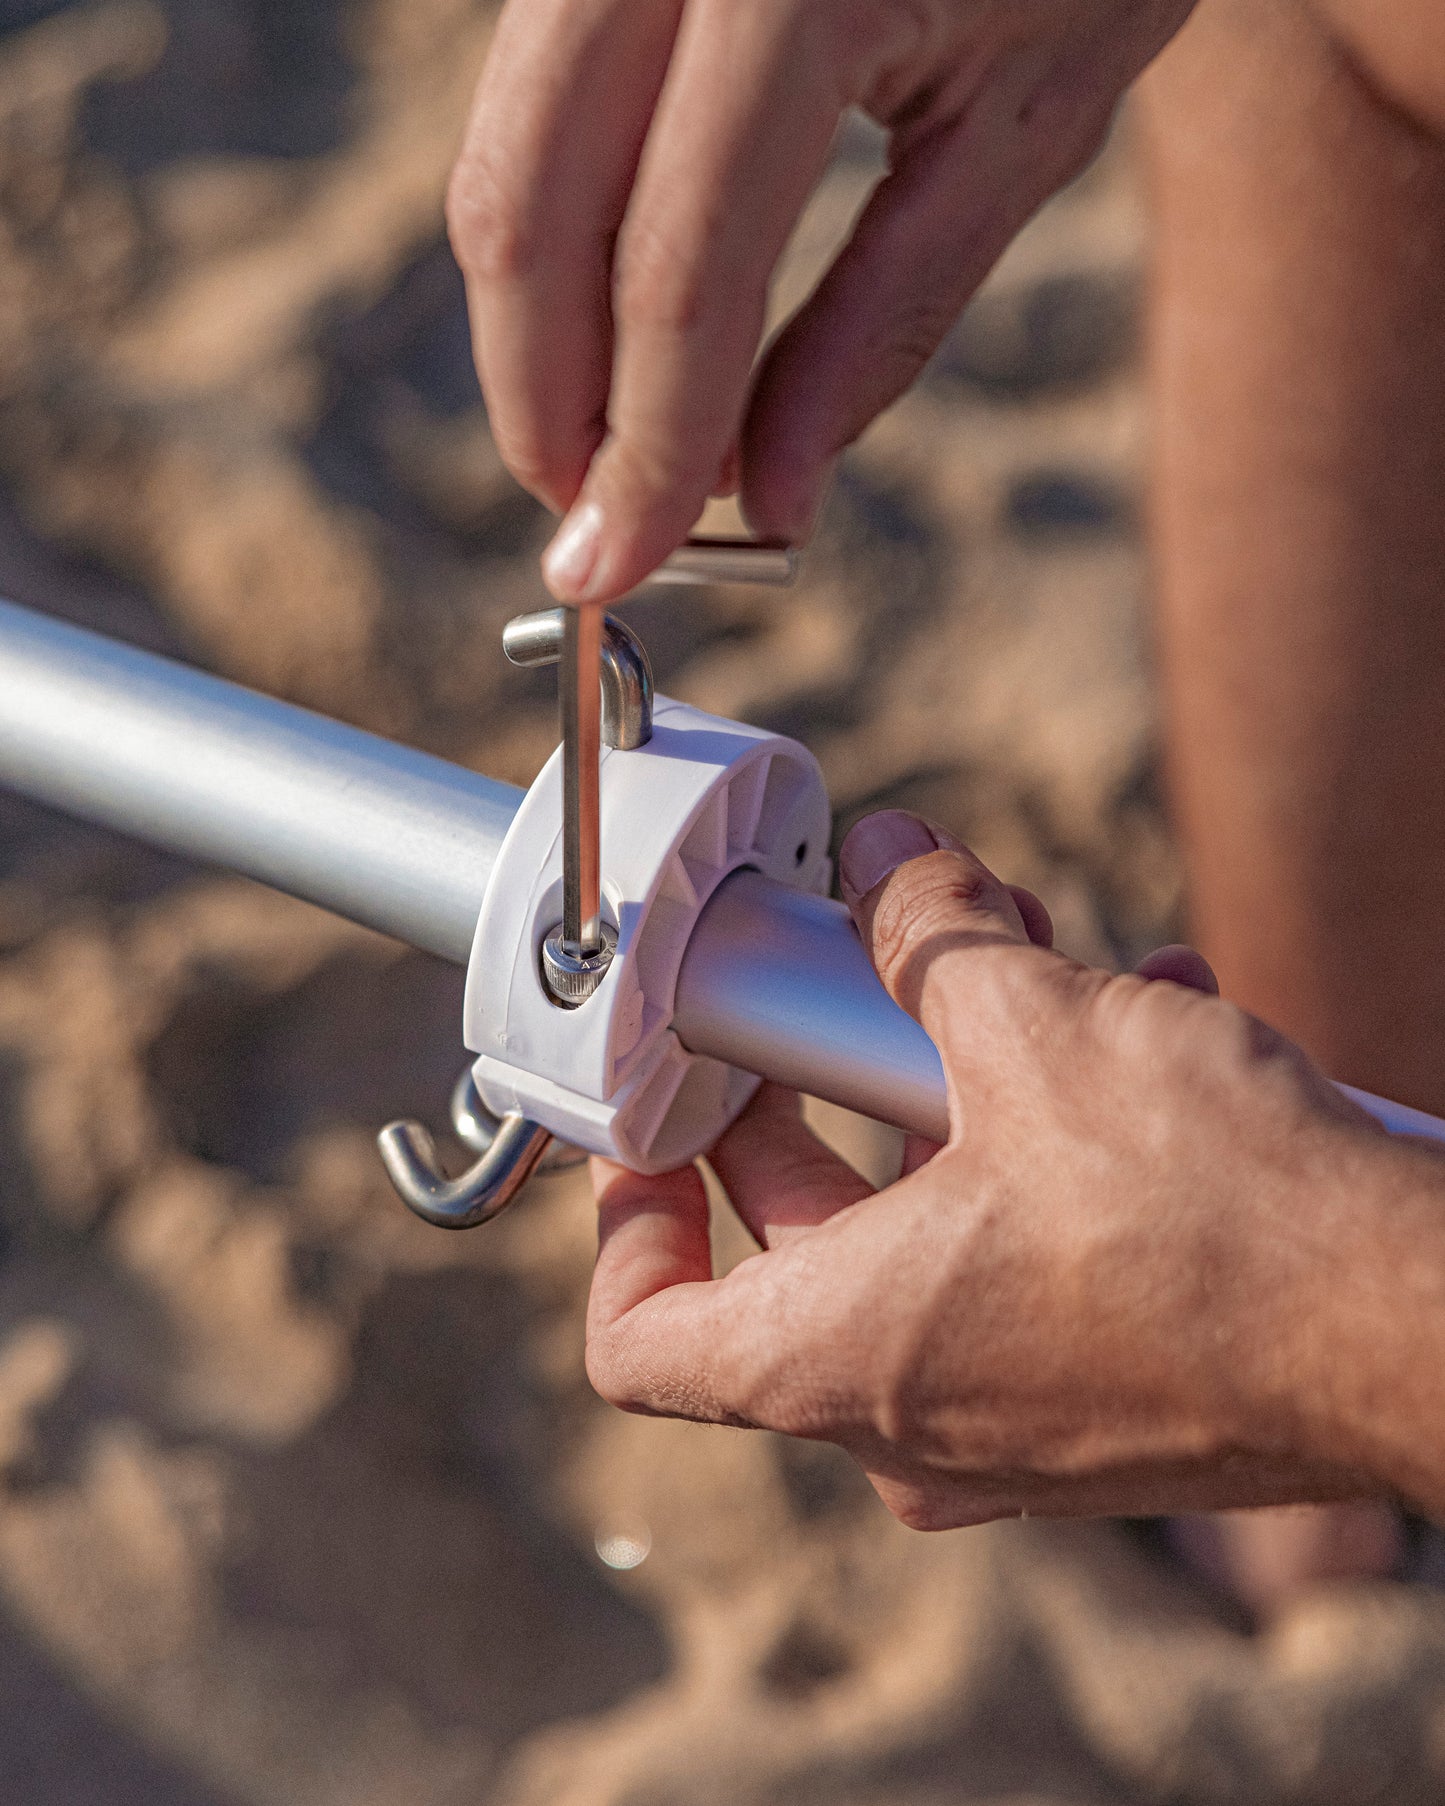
(1180, 966)
(919, 896)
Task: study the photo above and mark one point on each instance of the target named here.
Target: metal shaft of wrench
(581, 698)
(729, 561)
(576, 958)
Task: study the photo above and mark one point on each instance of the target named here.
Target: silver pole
(405, 843)
(386, 836)
(777, 982)
(772, 981)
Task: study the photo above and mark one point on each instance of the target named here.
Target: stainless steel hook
(536, 639)
(476, 1127)
(479, 1194)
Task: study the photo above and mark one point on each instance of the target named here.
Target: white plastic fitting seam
(704, 798)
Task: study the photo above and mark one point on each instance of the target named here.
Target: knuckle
(918, 1507)
(1186, 1038)
(777, 1392)
(1125, 1017)
(926, 899)
(490, 234)
(791, 1382)
(658, 284)
(1270, 1056)
(656, 465)
(610, 1373)
(913, 335)
(897, 1413)
(540, 469)
(788, 1411)
(1021, 996)
(902, 1400)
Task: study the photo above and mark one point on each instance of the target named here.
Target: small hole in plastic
(802, 852)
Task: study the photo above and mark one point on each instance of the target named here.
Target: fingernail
(570, 560)
(879, 845)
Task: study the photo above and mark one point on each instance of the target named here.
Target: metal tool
(581, 696)
(605, 694)
(577, 954)
(729, 561)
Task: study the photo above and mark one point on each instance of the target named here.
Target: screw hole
(802, 852)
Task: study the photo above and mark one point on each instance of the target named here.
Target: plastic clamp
(703, 798)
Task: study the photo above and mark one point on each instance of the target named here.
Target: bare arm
(1370, 1331)
(1159, 1266)
(1398, 46)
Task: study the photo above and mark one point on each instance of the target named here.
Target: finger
(663, 1337)
(652, 1233)
(650, 1289)
(932, 230)
(919, 898)
(1166, 1488)
(741, 134)
(781, 1179)
(1038, 923)
(538, 194)
(1180, 966)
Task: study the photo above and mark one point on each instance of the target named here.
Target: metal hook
(483, 1191)
(536, 639)
(476, 1127)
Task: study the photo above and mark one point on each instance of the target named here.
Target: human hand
(1103, 1296)
(630, 176)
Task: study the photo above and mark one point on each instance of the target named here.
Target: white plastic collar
(703, 798)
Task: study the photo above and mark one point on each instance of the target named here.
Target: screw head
(571, 978)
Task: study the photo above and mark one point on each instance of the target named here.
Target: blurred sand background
(301, 1503)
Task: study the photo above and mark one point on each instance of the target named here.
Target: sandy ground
(301, 1502)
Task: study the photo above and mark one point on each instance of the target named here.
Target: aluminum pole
(777, 982)
(377, 832)
(405, 843)
(772, 981)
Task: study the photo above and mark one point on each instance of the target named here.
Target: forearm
(1360, 1371)
(1398, 47)
(1299, 431)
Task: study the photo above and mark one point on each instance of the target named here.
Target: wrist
(1349, 1342)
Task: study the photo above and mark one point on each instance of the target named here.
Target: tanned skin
(1298, 401)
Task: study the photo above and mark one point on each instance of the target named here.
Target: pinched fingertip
(875, 848)
(1181, 966)
(917, 895)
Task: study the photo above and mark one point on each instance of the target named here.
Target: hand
(1106, 1294)
(630, 176)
